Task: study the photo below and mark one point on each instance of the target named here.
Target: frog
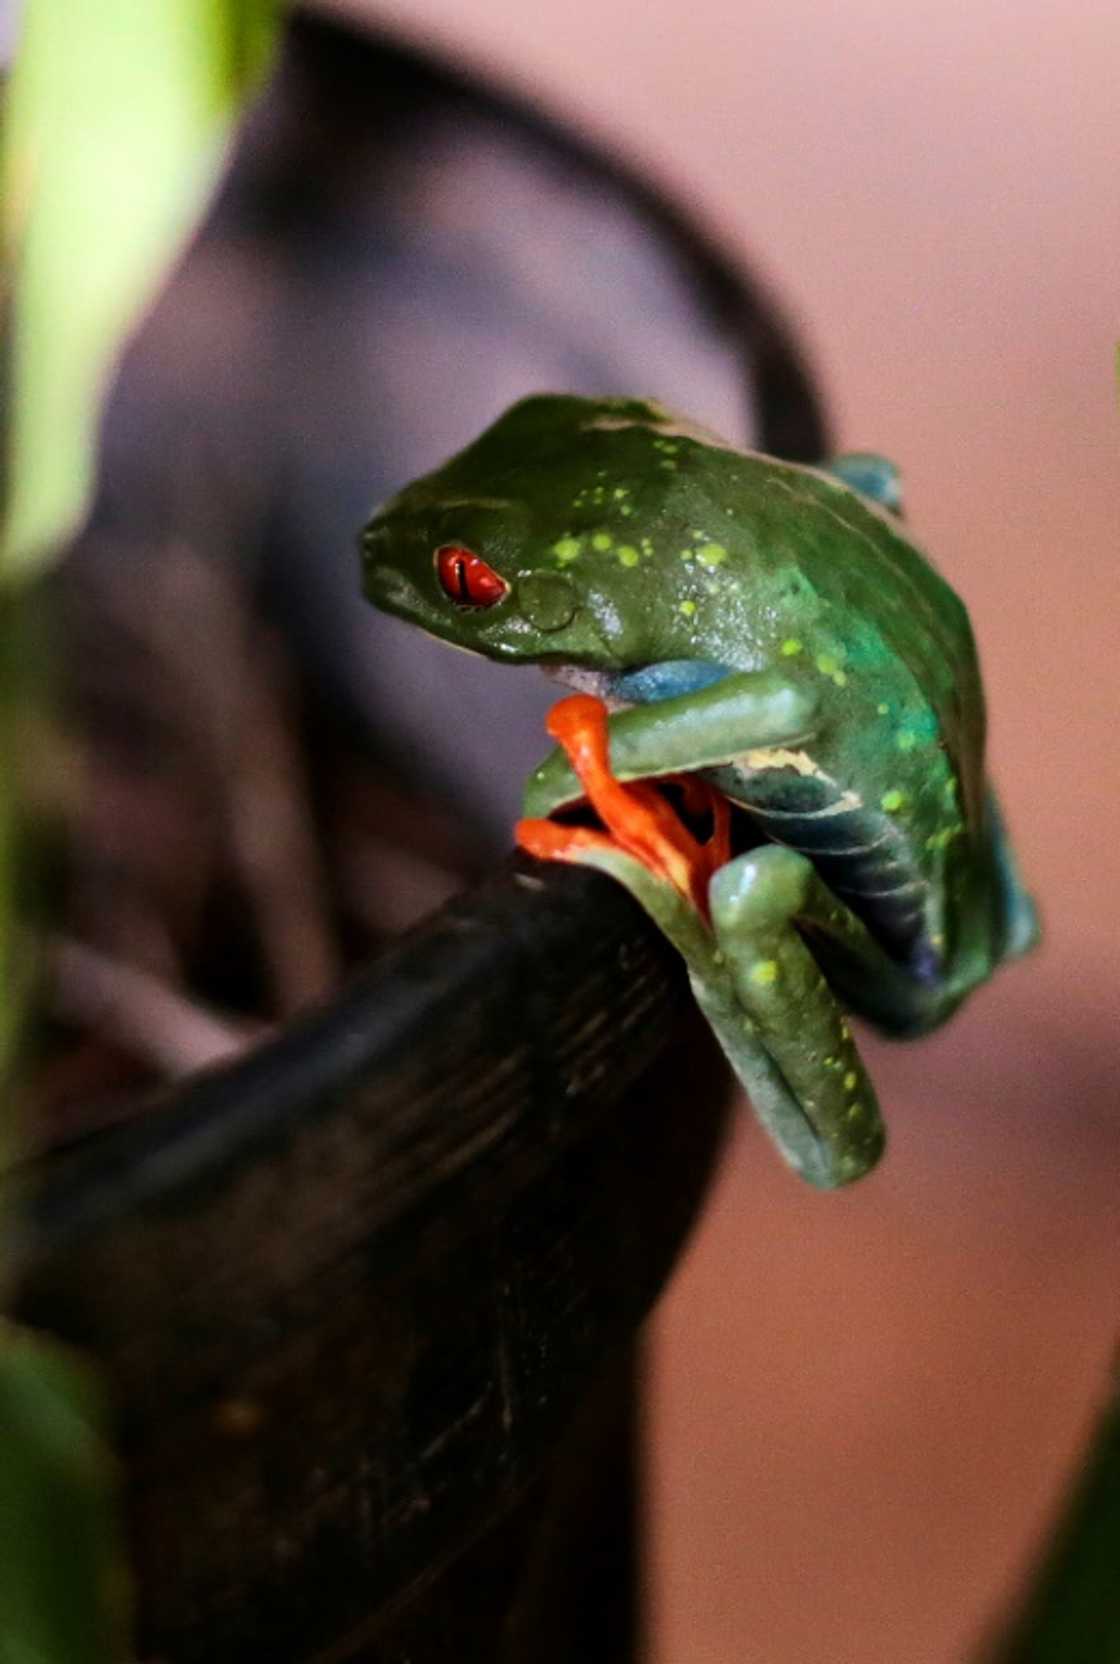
(777, 726)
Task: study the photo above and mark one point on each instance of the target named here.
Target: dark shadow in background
(369, 1295)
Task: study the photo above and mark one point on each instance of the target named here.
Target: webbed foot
(639, 820)
(736, 924)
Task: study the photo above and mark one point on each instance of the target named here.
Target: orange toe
(637, 816)
(551, 842)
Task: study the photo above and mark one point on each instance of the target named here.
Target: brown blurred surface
(867, 1403)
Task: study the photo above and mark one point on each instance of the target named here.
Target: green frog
(767, 636)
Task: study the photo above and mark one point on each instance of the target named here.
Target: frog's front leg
(740, 711)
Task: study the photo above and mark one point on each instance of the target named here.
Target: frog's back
(847, 570)
(888, 799)
(772, 541)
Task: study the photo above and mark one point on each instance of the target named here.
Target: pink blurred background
(866, 1405)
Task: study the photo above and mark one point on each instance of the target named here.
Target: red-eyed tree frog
(767, 634)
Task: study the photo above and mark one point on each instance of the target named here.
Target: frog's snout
(391, 588)
(385, 586)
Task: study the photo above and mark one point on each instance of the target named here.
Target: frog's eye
(467, 579)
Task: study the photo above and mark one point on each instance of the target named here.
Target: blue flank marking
(872, 476)
(667, 680)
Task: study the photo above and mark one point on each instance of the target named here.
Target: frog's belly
(859, 852)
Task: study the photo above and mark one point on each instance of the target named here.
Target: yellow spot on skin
(906, 741)
(688, 554)
(883, 710)
(893, 800)
(765, 972)
(688, 608)
(628, 555)
(620, 491)
(829, 665)
(850, 1080)
(713, 554)
(854, 1111)
(668, 464)
(602, 540)
(566, 549)
(791, 647)
(626, 510)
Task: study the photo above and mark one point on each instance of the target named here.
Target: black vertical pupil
(461, 579)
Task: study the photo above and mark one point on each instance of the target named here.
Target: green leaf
(116, 124)
(116, 121)
(64, 1586)
(1072, 1613)
(9, 982)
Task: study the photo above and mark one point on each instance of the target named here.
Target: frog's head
(470, 574)
(477, 553)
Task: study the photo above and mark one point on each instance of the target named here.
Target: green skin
(774, 629)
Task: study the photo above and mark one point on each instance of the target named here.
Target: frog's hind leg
(811, 1091)
(1019, 926)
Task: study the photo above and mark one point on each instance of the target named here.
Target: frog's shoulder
(610, 415)
(561, 417)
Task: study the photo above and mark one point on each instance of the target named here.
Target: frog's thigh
(1019, 916)
(817, 1102)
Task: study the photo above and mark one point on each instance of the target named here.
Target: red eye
(467, 579)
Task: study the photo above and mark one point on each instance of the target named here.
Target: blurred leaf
(1072, 1613)
(114, 128)
(64, 1587)
(9, 1000)
(116, 121)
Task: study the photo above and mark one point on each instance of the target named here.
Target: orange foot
(638, 819)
